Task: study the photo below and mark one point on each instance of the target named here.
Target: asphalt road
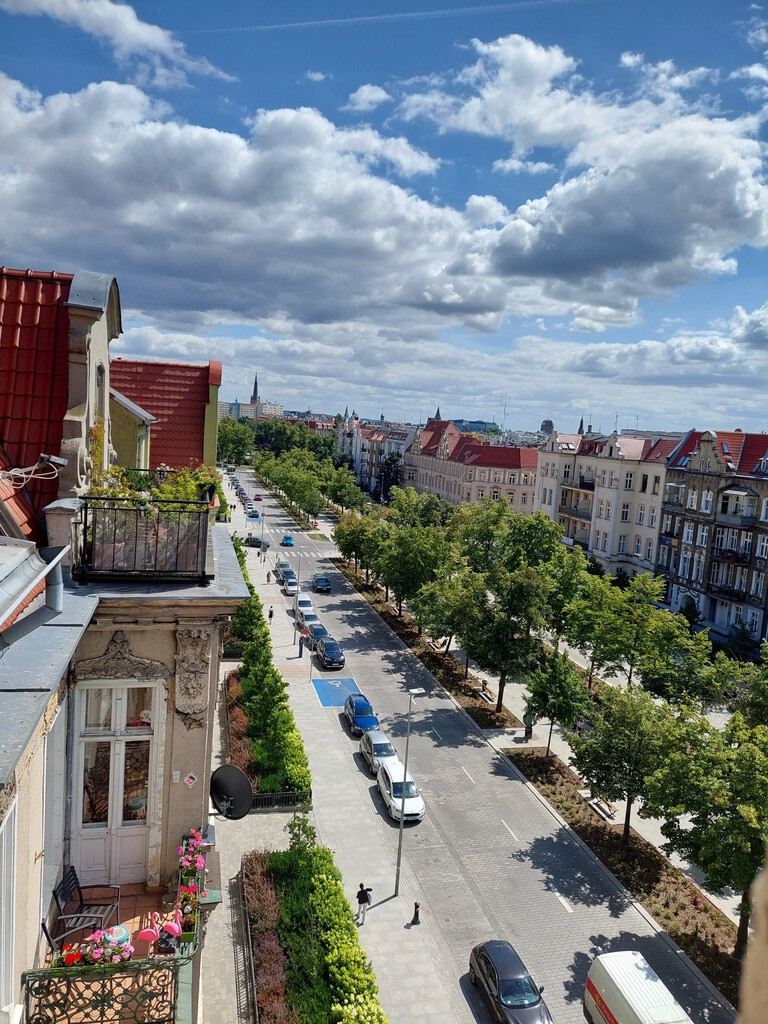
(490, 857)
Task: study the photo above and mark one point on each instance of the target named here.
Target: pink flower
(203, 895)
(97, 952)
(96, 936)
(180, 851)
(128, 948)
(199, 862)
(116, 959)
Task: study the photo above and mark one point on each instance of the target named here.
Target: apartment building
(714, 530)
(606, 491)
(459, 467)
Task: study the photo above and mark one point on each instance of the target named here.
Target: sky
(513, 211)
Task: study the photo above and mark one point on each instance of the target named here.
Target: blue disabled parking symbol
(333, 692)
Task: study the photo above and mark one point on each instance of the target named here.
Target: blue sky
(549, 208)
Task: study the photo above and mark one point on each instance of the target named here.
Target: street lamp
(417, 691)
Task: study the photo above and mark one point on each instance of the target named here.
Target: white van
(302, 603)
(622, 988)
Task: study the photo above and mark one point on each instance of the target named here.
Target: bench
(79, 908)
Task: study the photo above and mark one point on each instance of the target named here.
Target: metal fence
(281, 801)
(119, 537)
(250, 970)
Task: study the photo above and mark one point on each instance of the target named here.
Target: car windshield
(320, 581)
(383, 750)
(516, 992)
(332, 650)
(364, 711)
(411, 789)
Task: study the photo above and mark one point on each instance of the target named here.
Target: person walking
(271, 613)
(363, 902)
(269, 577)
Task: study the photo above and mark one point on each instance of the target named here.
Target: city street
(490, 859)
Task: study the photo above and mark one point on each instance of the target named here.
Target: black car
(507, 987)
(255, 542)
(329, 653)
(316, 634)
(321, 583)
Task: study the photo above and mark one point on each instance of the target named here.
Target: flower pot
(187, 937)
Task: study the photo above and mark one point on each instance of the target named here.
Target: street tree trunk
(502, 684)
(625, 834)
(742, 934)
(549, 738)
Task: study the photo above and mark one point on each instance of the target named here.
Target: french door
(114, 800)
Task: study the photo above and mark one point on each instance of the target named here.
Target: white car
(390, 778)
(304, 619)
(376, 749)
(302, 603)
(291, 587)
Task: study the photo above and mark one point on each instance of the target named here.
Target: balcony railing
(731, 555)
(748, 518)
(576, 513)
(128, 537)
(586, 483)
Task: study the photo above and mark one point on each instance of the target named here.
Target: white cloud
(315, 76)
(367, 97)
(162, 59)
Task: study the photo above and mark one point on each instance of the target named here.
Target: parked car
(321, 583)
(359, 714)
(390, 779)
(290, 586)
(507, 987)
(316, 633)
(309, 618)
(289, 574)
(255, 542)
(280, 567)
(376, 749)
(303, 601)
(329, 653)
(287, 541)
(257, 497)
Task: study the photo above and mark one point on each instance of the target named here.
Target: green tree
(391, 474)
(635, 612)
(569, 578)
(719, 781)
(748, 685)
(234, 441)
(342, 489)
(556, 692)
(442, 606)
(674, 663)
(630, 736)
(590, 623)
(409, 558)
(691, 613)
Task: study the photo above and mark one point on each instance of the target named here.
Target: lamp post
(415, 692)
(262, 537)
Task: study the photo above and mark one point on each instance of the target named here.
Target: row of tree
(307, 481)
(501, 583)
(240, 440)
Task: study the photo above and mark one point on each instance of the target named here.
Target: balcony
(586, 483)
(728, 590)
(123, 538)
(576, 513)
(731, 555)
(746, 517)
(672, 505)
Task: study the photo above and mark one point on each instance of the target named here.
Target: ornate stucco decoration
(193, 660)
(117, 662)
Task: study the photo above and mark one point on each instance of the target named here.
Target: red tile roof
(34, 382)
(177, 394)
(499, 456)
(738, 452)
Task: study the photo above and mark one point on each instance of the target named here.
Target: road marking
(439, 737)
(564, 901)
(506, 826)
(467, 774)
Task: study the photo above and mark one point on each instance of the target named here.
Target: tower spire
(255, 395)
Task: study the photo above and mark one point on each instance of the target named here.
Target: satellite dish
(231, 792)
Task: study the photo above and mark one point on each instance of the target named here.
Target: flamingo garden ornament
(174, 927)
(151, 934)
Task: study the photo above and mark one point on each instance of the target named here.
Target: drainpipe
(69, 757)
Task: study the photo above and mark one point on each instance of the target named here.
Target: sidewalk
(648, 828)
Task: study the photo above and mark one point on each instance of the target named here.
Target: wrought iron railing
(134, 992)
(250, 968)
(128, 537)
(279, 801)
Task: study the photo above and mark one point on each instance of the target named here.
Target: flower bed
(310, 967)
(101, 951)
(705, 934)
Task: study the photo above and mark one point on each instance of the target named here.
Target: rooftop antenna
(616, 424)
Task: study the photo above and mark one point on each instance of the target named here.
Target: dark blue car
(359, 714)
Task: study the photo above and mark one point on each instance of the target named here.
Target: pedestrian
(269, 577)
(271, 613)
(363, 902)
(580, 727)
(301, 646)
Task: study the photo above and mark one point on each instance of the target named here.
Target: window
(649, 550)
(600, 508)
(605, 541)
(481, 493)
(511, 495)
(692, 499)
(652, 516)
(745, 547)
(753, 620)
(706, 501)
(688, 533)
(628, 478)
(481, 475)
(512, 478)
(762, 546)
(622, 543)
(644, 483)
(764, 511)
(663, 555)
(758, 584)
(525, 478)
(698, 568)
(602, 478)
(608, 509)
(611, 479)
(524, 498)
(666, 523)
(638, 546)
(496, 494)
(625, 512)
(566, 472)
(656, 484)
(641, 515)
(685, 564)
(496, 477)
(703, 536)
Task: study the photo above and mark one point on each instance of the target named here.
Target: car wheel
(472, 975)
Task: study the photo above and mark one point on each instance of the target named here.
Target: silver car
(376, 748)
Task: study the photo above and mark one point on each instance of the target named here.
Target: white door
(113, 799)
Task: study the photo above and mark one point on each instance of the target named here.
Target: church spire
(581, 426)
(255, 395)
(437, 413)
